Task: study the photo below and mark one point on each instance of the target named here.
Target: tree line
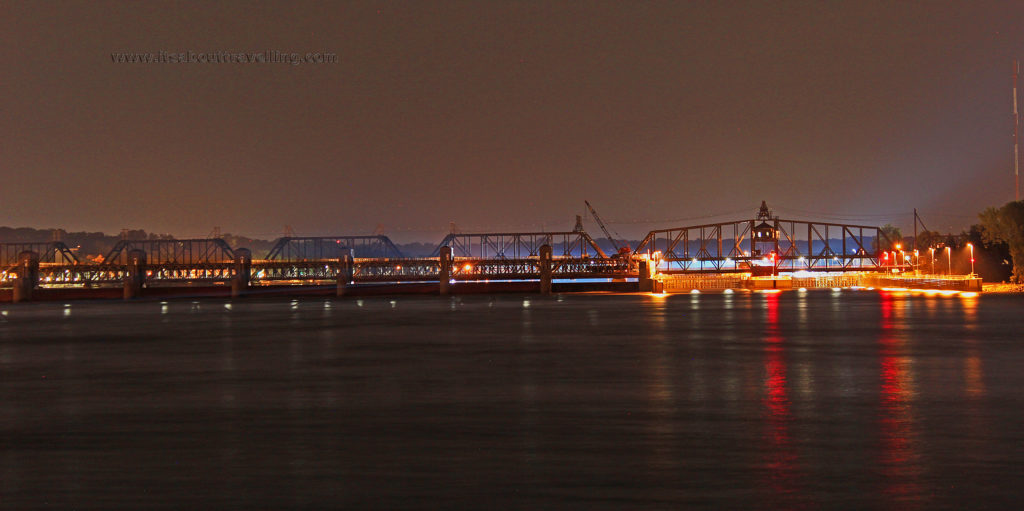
(997, 238)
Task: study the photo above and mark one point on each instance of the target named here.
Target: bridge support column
(135, 279)
(345, 273)
(28, 276)
(645, 280)
(545, 269)
(242, 272)
(444, 277)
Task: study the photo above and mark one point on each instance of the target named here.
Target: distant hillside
(90, 245)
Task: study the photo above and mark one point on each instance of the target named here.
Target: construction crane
(625, 250)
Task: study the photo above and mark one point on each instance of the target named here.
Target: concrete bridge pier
(28, 276)
(135, 279)
(242, 274)
(546, 269)
(445, 275)
(345, 272)
(644, 277)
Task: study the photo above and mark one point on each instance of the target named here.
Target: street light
(971, 246)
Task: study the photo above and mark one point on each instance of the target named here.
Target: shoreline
(1003, 288)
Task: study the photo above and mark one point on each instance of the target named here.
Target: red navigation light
(972, 259)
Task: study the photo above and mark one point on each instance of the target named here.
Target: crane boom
(604, 229)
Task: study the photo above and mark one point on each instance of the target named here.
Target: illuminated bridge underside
(798, 245)
(320, 271)
(428, 269)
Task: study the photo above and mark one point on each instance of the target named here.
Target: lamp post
(932, 250)
(949, 259)
(971, 246)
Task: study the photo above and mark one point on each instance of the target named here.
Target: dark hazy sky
(504, 115)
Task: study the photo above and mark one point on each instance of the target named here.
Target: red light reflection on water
(898, 461)
(781, 457)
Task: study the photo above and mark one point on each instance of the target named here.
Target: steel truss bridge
(49, 252)
(742, 246)
(777, 244)
(519, 245)
(332, 247)
(183, 252)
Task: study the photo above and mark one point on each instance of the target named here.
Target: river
(818, 399)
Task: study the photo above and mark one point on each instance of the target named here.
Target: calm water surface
(850, 399)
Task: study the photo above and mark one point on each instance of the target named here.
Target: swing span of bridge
(770, 244)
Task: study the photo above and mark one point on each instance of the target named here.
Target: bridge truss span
(183, 251)
(48, 251)
(766, 244)
(519, 245)
(333, 247)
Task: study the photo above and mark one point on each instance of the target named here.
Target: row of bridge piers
(26, 273)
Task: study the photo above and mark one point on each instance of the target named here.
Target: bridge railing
(944, 282)
(696, 281)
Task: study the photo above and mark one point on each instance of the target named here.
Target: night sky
(504, 115)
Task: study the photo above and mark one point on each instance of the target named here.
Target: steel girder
(332, 247)
(49, 252)
(730, 246)
(186, 251)
(519, 245)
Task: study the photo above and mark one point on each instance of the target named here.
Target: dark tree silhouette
(1006, 225)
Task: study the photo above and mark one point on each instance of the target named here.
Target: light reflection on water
(780, 400)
